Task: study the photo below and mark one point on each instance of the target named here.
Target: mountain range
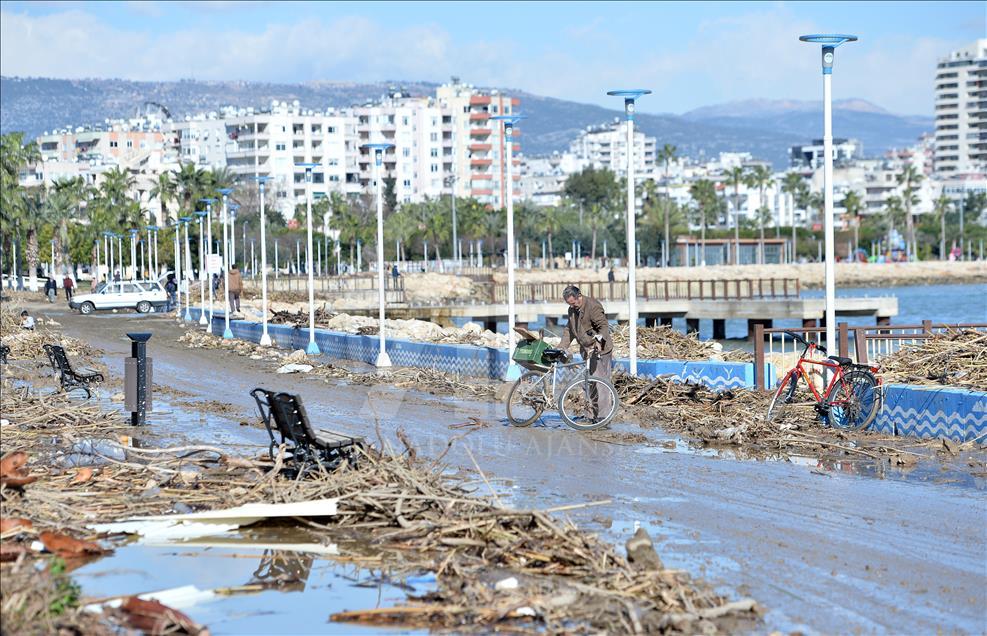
(765, 128)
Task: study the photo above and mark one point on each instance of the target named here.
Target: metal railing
(739, 289)
(865, 344)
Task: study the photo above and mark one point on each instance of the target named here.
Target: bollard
(137, 379)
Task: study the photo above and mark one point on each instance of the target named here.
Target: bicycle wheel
(526, 400)
(782, 397)
(588, 403)
(854, 401)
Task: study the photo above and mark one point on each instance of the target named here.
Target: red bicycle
(850, 399)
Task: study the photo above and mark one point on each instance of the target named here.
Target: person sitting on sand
(27, 322)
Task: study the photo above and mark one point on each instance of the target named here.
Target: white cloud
(752, 55)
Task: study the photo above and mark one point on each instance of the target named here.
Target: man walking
(51, 289)
(68, 285)
(589, 327)
(236, 288)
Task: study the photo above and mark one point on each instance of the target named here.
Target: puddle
(246, 582)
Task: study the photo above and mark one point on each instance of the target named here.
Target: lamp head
(829, 43)
(630, 95)
(378, 150)
(225, 192)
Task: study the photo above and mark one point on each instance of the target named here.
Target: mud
(825, 548)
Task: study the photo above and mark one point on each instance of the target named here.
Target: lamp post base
(188, 315)
(227, 333)
(312, 349)
(202, 319)
(265, 340)
(209, 327)
(513, 372)
(383, 360)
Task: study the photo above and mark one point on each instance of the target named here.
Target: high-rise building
(961, 111)
(606, 147)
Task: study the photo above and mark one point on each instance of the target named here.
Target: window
(407, 183)
(130, 143)
(404, 121)
(406, 152)
(333, 162)
(434, 137)
(330, 129)
(280, 146)
(334, 177)
(113, 144)
(435, 152)
(435, 167)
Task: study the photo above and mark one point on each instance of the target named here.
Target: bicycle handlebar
(805, 342)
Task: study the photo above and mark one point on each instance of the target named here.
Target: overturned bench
(69, 378)
(285, 417)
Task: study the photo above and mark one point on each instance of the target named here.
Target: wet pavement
(825, 548)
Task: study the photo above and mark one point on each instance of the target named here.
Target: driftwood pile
(957, 357)
(26, 344)
(496, 567)
(664, 343)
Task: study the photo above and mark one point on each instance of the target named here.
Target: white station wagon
(142, 295)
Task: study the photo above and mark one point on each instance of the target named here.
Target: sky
(689, 54)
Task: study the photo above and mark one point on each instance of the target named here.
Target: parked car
(142, 295)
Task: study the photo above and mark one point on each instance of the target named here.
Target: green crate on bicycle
(528, 353)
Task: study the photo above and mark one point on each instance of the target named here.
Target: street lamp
(313, 348)
(185, 220)
(513, 369)
(829, 43)
(178, 267)
(203, 275)
(152, 250)
(133, 253)
(265, 339)
(209, 202)
(234, 208)
(383, 360)
(227, 332)
(629, 97)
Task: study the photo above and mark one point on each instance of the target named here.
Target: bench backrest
(58, 351)
(291, 420)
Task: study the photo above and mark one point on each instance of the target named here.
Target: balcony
(481, 162)
(479, 116)
(480, 147)
(480, 132)
(479, 100)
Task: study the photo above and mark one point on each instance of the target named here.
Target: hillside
(764, 128)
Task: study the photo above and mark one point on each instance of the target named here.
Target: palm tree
(596, 220)
(893, 210)
(909, 180)
(703, 192)
(63, 202)
(14, 209)
(760, 177)
(793, 185)
(666, 155)
(942, 206)
(735, 177)
(552, 220)
(853, 206)
(166, 191)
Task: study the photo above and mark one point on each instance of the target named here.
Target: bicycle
(850, 399)
(580, 400)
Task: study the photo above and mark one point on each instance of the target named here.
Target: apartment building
(606, 147)
(419, 130)
(811, 156)
(272, 142)
(961, 111)
(199, 139)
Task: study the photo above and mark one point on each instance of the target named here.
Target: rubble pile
(27, 344)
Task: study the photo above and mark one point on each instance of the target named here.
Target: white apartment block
(421, 157)
(810, 156)
(200, 140)
(606, 147)
(961, 111)
(272, 142)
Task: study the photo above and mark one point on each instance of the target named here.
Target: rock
(296, 357)
(641, 552)
(295, 368)
(472, 328)
(510, 583)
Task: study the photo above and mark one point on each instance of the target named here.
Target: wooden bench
(285, 417)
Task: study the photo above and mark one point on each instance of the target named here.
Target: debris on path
(957, 357)
(664, 343)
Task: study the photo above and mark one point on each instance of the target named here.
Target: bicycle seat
(841, 360)
(550, 356)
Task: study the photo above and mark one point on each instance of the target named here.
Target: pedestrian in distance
(610, 276)
(51, 289)
(68, 285)
(236, 288)
(172, 288)
(395, 274)
(27, 322)
(589, 327)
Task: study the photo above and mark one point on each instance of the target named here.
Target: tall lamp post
(107, 255)
(209, 202)
(152, 250)
(829, 43)
(187, 266)
(313, 348)
(509, 121)
(203, 274)
(133, 253)
(234, 208)
(265, 339)
(629, 97)
(227, 332)
(383, 360)
(178, 267)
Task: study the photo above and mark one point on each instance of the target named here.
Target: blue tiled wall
(484, 362)
(933, 412)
